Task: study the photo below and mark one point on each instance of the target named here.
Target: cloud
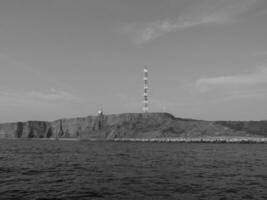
(31, 98)
(53, 95)
(199, 13)
(235, 86)
(256, 78)
(156, 29)
(260, 54)
(9, 63)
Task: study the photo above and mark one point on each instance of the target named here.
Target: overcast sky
(207, 59)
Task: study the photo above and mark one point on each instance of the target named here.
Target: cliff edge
(132, 125)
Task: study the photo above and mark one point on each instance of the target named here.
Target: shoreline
(195, 140)
(159, 140)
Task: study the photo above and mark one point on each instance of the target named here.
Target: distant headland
(138, 127)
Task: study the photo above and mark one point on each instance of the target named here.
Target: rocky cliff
(132, 125)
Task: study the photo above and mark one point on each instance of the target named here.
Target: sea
(59, 170)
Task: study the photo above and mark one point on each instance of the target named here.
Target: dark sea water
(107, 170)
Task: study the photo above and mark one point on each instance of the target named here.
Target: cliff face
(134, 125)
(252, 127)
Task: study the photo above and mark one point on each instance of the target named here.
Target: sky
(207, 59)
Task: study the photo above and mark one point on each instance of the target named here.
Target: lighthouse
(145, 106)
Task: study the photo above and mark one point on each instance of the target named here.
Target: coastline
(196, 140)
(257, 140)
(139, 127)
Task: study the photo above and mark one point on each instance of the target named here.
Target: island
(143, 127)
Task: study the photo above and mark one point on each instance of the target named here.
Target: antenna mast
(145, 108)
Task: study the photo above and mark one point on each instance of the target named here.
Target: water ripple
(45, 170)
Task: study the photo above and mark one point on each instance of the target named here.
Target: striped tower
(145, 108)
